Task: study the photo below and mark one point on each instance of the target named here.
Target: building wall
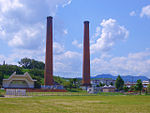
(19, 81)
(109, 90)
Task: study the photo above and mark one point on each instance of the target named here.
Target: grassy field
(76, 104)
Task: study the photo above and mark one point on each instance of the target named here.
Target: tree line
(36, 70)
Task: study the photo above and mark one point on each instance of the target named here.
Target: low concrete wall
(46, 90)
(41, 90)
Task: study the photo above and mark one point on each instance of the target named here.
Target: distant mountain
(129, 78)
(104, 76)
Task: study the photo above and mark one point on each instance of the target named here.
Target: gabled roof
(25, 75)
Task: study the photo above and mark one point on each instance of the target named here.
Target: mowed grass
(76, 104)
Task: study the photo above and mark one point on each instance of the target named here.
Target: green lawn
(76, 104)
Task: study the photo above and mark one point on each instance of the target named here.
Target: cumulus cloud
(23, 26)
(7, 5)
(110, 34)
(75, 43)
(58, 48)
(28, 37)
(68, 63)
(134, 64)
(65, 31)
(23, 20)
(132, 13)
(145, 11)
(67, 3)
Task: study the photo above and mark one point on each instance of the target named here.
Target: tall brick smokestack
(48, 74)
(86, 56)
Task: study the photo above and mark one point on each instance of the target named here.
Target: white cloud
(28, 37)
(75, 43)
(67, 3)
(98, 29)
(23, 23)
(65, 31)
(58, 48)
(6, 5)
(132, 13)
(2, 58)
(2, 33)
(134, 64)
(97, 34)
(22, 17)
(68, 62)
(145, 11)
(111, 33)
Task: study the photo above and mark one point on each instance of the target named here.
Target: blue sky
(119, 34)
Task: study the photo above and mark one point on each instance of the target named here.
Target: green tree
(37, 72)
(75, 80)
(125, 88)
(132, 88)
(37, 64)
(139, 86)
(111, 84)
(148, 88)
(100, 84)
(28, 63)
(119, 83)
(1, 78)
(25, 63)
(97, 86)
(38, 83)
(70, 83)
(66, 84)
(9, 69)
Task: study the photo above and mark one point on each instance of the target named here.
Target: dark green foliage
(1, 78)
(7, 70)
(38, 83)
(76, 83)
(125, 88)
(139, 86)
(101, 84)
(111, 84)
(66, 84)
(71, 83)
(132, 88)
(28, 63)
(25, 63)
(119, 83)
(97, 86)
(58, 79)
(148, 88)
(37, 64)
(37, 72)
(10, 69)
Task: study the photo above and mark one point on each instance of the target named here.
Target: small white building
(145, 84)
(19, 81)
(94, 90)
(108, 88)
(105, 81)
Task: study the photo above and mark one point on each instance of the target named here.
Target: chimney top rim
(86, 22)
(49, 17)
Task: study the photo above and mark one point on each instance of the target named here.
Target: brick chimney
(86, 56)
(48, 74)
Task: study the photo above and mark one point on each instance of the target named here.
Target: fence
(16, 92)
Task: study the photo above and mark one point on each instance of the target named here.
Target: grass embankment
(74, 104)
(2, 93)
(70, 94)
